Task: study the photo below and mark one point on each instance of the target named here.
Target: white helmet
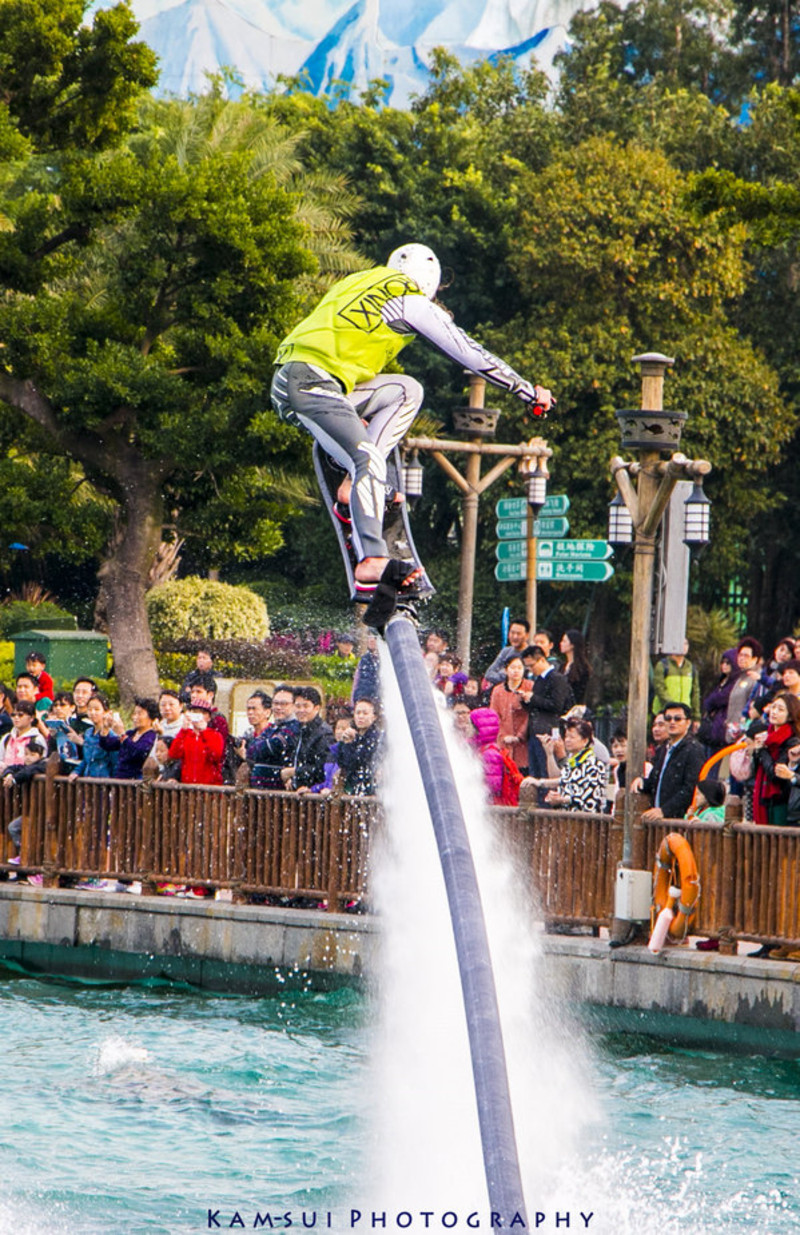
(420, 264)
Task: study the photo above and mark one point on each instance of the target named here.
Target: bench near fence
(260, 843)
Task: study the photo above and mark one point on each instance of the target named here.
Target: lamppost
(477, 424)
(651, 432)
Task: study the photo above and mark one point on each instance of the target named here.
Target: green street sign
(555, 504)
(511, 529)
(569, 550)
(513, 566)
(509, 572)
(511, 550)
(517, 529)
(511, 508)
(550, 527)
(517, 507)
(574, 572)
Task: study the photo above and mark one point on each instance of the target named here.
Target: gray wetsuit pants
(313, 399)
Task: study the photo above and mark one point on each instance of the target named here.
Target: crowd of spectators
(526, 718)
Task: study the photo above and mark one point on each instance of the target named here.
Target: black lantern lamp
(697, 518)
(536, 486)
(413, 475)
(620, 522)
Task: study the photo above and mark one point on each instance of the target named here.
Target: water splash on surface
(115, 1053)
(426, 1121)
(579, 1113)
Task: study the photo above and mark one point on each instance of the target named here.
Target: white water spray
(428, 1151)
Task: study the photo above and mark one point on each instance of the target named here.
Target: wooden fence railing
(255, 842)
(301, 847)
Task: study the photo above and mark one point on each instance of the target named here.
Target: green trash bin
(69, 654)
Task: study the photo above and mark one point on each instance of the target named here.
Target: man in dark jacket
(676, 768)
(550, 699)
(271, 751)
(313, 749)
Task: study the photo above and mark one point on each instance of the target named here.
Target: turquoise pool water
(142, 1108)
(139, 1109)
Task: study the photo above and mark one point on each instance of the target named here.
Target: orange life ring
(675, 851)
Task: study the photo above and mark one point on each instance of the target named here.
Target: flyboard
(393, 613)
(396, 527)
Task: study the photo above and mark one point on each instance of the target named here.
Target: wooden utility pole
(477, 423)
(651, 431)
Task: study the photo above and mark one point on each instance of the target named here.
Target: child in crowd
(619, 756)
(710, 803)
(35, 665)
(57, 730)
(462, 715)
(503, 777)
(472, 693)
(449, 678)
(168, 769)
(33, 754)
(15, 743)
(341, 726)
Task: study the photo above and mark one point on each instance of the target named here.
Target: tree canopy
(152, 253)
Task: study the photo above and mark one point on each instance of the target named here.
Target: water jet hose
(495, 1118)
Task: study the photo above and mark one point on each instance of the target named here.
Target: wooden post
(530, 578)
(642, 602)
(335, 848)
(469, 534)
(727, 858)
(146, 858)
(50, 854)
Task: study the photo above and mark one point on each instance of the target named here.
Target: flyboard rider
(329, 381)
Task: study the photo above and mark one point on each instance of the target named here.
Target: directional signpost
(517, 507)
(558, 560)
(569, 550)
(575, 572)
(555, 572)
(511, 572)
(517, 529)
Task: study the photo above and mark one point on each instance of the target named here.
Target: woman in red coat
(199, 748)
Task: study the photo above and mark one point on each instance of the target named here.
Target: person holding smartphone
(57, 729)
(199, 748)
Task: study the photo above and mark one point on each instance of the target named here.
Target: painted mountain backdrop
(342, 40)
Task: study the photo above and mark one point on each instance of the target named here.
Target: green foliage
(614, 262)
(153, 285)
(16, 615)
(6, 662)
(67, 83)
(617, 52)
(333, 668)
(205, 609)
(46, 500)
(710, 632)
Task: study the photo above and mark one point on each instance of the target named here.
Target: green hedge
(16, 615)
(204, 609)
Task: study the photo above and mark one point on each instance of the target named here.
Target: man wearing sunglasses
(676, 767)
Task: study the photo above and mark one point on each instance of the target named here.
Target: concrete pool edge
(682, 994)
(215, 945)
